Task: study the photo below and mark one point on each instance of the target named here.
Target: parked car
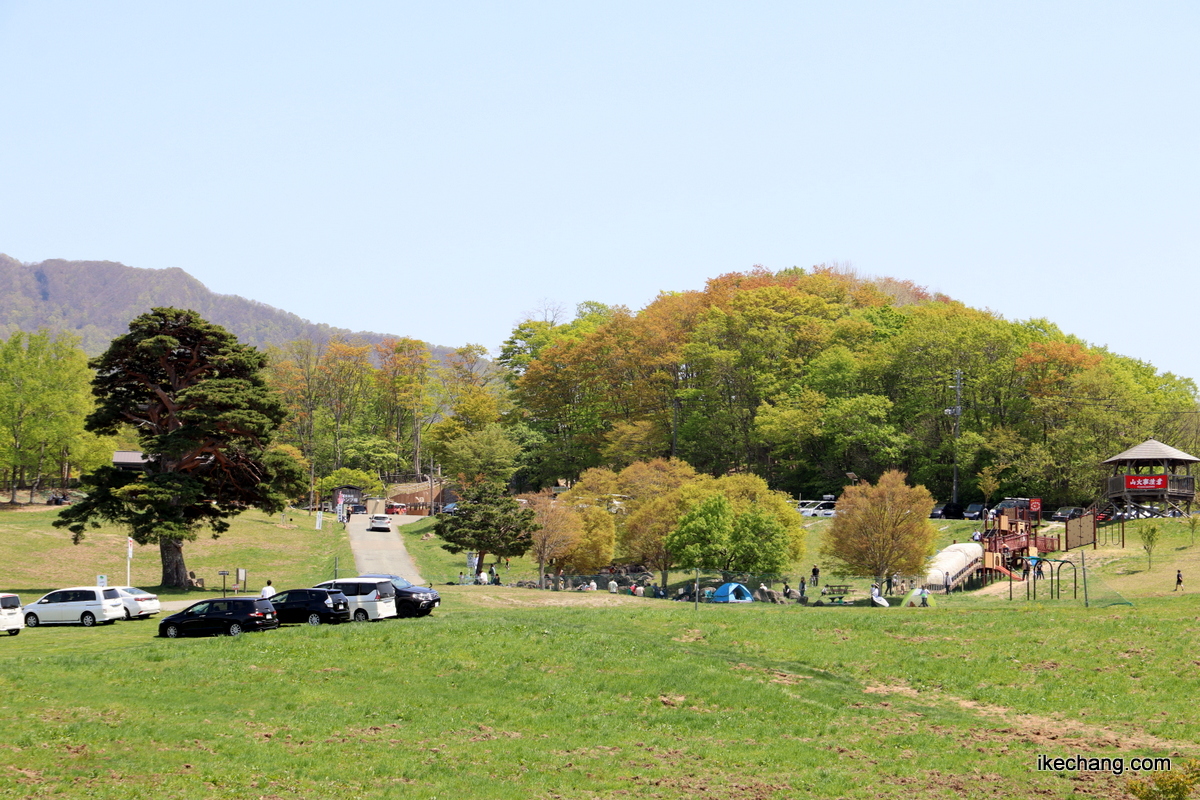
(138, 603)
(229, 615)
(369, 598)
(1020, 503)
(76, 605)
(975, 511)
(952, 510)
(396, 508)
(1065, 513)
(822, 508)
(11, 619)
(314, 606)
(358, 508)
(411, 600)
(936, 513)
(379, 522)
(450, 508)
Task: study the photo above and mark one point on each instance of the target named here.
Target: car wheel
(87, 620)
(31, 621)
(127, 615)
(235, 629)
(14, 631)
(361, 615)
(171, 632)
(314, 619)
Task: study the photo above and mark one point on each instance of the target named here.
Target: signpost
(128, 560)
(223, 573)
(102, 580)
(1035, 505)
(320, 517)
(241, 579)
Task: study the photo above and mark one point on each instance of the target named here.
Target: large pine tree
(204, 417)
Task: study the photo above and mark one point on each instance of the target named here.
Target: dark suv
(411, 600)
(313, 606)
(230, 615)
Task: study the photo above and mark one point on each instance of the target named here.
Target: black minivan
(314, 606)
(231, 615)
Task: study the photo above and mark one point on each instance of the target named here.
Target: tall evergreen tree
(204, 418)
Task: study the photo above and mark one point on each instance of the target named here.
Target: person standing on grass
(267, 591)
(924, 597)
(816, 574)
(1178, 581)
(612, 586)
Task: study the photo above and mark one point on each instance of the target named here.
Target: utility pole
(956, 412)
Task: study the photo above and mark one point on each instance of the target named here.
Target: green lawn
(511, 693)
(40, 557)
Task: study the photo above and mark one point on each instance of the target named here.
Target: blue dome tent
(732, 593)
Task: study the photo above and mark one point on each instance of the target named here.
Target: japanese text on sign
(1146, 481)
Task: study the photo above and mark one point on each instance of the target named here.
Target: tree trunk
(174, 571)
(37, 477)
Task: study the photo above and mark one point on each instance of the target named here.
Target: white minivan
(10, 614)
(370, 598)
(77, 605)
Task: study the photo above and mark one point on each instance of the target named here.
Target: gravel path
(382, 551)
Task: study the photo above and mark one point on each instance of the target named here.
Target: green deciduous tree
(204, 418)
(43, 402)
(369, 483)
(488, 522)
(881, 529)
(1150, 536)
(712, 535)
(484, 455)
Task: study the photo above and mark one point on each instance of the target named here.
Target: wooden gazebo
(1152, 478)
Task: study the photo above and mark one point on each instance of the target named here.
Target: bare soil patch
(1041, 728)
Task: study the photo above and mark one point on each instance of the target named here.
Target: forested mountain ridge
(95, 300)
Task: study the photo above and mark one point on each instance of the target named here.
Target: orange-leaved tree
(881, 529)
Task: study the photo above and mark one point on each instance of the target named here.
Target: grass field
(512, 693)
(40, 557)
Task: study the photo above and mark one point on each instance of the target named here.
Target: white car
(819, 508)
(11, 619)
(76, 605)
(379, 522)
(370, 598)
(137, 602)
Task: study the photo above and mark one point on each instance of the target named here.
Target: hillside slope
(95, 300)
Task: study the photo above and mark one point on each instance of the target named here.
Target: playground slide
(1015, 576)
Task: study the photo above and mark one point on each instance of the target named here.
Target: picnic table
(835, 592)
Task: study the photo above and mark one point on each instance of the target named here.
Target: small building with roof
(1151, 479)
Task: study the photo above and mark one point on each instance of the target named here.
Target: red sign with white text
(1142, 482)
(1036, 505)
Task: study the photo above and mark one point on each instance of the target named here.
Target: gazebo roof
(1152, 451)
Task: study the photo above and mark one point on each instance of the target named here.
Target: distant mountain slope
(95, 300)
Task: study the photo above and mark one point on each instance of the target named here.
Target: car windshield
(10, 602)
(112, 594)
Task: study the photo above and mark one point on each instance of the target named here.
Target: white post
(128, 559)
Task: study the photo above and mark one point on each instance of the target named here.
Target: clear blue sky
(437, 170)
